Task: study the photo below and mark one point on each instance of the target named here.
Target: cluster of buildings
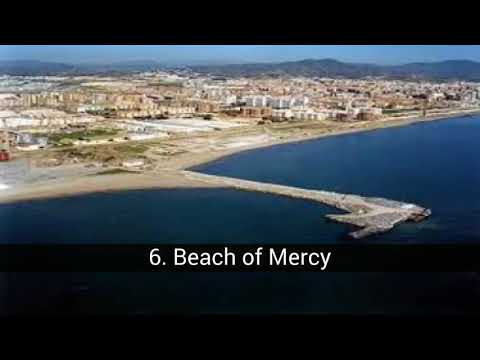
(150, 104)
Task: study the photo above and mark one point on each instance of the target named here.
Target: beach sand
(97, 183)
(167, 173)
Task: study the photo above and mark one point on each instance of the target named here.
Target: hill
(444, 70)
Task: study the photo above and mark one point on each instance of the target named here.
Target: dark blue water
(200, 216)
(432, 164)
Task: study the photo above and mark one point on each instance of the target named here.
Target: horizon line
(221, 62)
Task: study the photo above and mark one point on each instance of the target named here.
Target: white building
(230, 100)
(138, 137)
(133, 163)
(303, 101)
(310, 115)
(282, 102)
(282, 114)
(257, 101)
(86, 108)
(20, 122)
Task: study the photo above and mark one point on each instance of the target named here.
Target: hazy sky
(380, 54)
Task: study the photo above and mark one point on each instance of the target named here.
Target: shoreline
(61, 188)
(172, 177)
(377, 125)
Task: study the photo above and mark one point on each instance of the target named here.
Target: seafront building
(162, 103)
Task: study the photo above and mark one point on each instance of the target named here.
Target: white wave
(3, 186)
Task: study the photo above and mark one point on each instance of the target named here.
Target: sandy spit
(97, 183)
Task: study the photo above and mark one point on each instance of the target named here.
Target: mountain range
(443, 70)
(33, 67)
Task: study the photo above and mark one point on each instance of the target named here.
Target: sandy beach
(97, 183)
(185, 162)
(167, 172)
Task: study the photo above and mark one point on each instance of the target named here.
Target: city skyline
(229, 54)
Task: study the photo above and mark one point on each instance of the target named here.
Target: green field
(132, 149)
(65, 138)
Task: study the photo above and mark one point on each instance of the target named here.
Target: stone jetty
(371, 215)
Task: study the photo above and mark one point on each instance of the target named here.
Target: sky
(194, 54)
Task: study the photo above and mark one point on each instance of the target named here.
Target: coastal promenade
(372, 215)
